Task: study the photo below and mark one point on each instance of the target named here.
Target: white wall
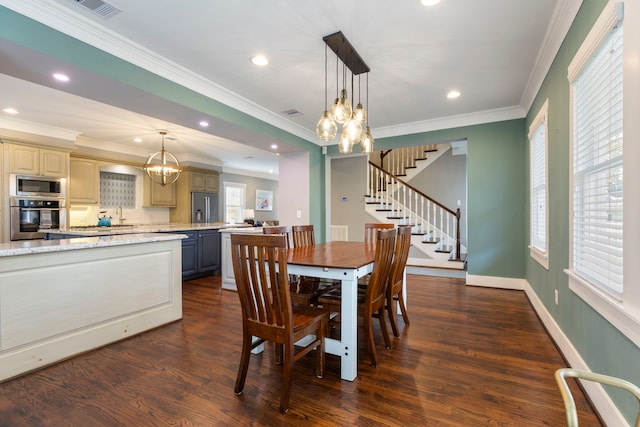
(294, 188)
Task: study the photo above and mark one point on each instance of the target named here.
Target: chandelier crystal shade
(162, 166)
(355, 125)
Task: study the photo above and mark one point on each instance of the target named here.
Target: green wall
(601, 346)
(496, 187)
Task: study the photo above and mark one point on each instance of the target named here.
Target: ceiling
(493, 51)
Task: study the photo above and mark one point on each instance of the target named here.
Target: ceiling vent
(100, 7)
(292, 112)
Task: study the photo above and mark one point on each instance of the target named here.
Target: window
(538, 187)
(604, 179)
(234, 201)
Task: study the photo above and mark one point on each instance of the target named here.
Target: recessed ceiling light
(270, 170)
(10, 110)
(61, 77)
(260, 60)
(429, 2)
(274, 146)
(453, 94)
(137, 139)
(204, 124)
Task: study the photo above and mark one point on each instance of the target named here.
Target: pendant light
(360, 112)
(162, 166)
(366, 143)
(343, 110)
(326, 128)
(344, 143)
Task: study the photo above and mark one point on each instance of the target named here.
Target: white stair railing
(409, 206)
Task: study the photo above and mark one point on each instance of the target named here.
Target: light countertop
(25, 247)
(143, 228)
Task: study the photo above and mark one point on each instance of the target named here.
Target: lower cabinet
(200, 253)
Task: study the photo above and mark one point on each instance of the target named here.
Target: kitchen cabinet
(203, 182)
(189, 254)
(84, 182)
(200, 253)
(27, 160)
(158, 195)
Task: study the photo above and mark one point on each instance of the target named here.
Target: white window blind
(234, 201)
(597, 167)
(539, 189)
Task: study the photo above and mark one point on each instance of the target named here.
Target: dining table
(347, 262)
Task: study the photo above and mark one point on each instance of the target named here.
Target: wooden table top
(338, 254)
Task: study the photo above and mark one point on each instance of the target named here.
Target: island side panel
(55, 305)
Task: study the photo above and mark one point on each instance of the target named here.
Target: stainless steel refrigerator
(204, 207)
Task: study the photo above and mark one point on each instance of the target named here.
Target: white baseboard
(600, 399)
(496, 282)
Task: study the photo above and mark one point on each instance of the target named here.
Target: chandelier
(355, 121)
(162, 166)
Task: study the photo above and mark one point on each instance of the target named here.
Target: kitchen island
(62, 297)
(200, 249)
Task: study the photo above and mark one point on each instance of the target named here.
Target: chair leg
(320, 356)
(383, 327)
(286, 377)
(393, 317)
(279, 352)
(371, 344)
(244, 364)
(403, 308)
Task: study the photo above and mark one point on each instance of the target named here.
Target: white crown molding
(561, 20)
(17, 125)
(75, 25)
(272, 177)
(489, 116)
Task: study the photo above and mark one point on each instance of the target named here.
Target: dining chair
(371, 230)
(395, 294)
(370, 236)
(304, 290)
(569, 403)
(371, 301)
(304, 235)
(260, 268)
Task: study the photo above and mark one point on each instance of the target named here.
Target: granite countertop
(25, 247)
(134, 229)
(244, 230)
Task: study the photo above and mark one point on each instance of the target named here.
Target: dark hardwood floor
(471, 357)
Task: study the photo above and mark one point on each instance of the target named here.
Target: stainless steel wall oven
(28, 215)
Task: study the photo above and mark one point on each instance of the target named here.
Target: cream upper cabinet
(196, 180)
(29, 160)
(158, 195)
(204, 182)
(211, 183)
(84, 182)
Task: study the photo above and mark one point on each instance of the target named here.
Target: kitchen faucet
(118, 212)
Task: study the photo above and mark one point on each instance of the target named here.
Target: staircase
(435, 228)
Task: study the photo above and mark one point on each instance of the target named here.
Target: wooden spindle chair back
(260, 268)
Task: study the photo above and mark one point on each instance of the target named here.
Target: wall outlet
(556, 296)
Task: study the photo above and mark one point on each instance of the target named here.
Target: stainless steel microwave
(37, 186)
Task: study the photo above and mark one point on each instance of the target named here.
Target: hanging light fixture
(352, 120)
(360, 112)
(326, 128)
(162, 166)
(366, 143)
